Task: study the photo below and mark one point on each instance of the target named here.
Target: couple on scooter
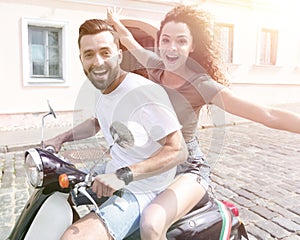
(185, 44)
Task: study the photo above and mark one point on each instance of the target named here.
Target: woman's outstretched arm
(269, 116)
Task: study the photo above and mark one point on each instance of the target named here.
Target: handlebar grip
(50, 149)
(80, 199)
(119, 193)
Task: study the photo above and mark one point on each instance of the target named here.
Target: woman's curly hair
(207, 51)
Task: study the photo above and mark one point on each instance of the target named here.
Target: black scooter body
(204, 221)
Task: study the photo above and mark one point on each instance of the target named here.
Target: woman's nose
(173, 45)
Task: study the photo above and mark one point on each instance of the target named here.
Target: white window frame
(228, 50)
(43, 81)
(259, 47)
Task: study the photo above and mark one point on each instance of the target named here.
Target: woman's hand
(113, 15)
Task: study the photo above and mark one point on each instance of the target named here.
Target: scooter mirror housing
(121, 134)
(51, 112)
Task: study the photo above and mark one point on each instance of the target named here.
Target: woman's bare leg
(170, 205)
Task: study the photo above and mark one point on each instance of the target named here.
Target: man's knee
(90, 227)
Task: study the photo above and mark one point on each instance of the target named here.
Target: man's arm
(172, 153)
(86, 129)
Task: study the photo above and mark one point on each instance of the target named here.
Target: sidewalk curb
(16, 148)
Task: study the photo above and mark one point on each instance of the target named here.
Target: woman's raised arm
(126, 38)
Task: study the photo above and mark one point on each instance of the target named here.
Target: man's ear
(193, 48)
(80, 57)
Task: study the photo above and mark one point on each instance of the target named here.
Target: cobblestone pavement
(255, 167)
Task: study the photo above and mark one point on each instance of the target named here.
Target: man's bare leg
(90, 227)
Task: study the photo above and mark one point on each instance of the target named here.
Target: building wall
(270, 85)
(17, 98)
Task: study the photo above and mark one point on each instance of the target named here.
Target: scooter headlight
(34, 168)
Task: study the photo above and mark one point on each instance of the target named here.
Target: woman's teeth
(172, 57)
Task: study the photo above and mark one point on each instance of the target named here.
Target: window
(224, 36)
(44, 52)
(268, 46)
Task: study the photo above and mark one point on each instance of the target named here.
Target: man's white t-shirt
(145, 109)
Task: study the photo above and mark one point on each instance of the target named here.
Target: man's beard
(103, 80)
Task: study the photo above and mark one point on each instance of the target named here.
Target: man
(143, 169)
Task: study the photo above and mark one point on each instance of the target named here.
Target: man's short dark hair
(95, 26)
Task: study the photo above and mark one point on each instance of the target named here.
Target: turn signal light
(63, 180)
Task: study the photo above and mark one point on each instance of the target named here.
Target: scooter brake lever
(89, 179)
(85, 193)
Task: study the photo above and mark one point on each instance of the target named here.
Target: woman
(188, 68)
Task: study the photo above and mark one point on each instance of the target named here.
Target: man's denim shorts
(121, 215)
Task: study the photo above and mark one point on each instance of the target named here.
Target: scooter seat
(201, 203)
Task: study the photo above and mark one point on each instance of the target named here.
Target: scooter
(48, 213)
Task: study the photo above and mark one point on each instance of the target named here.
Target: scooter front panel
(52, 219)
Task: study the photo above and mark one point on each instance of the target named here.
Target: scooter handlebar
(80, 199)
(50, 149)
